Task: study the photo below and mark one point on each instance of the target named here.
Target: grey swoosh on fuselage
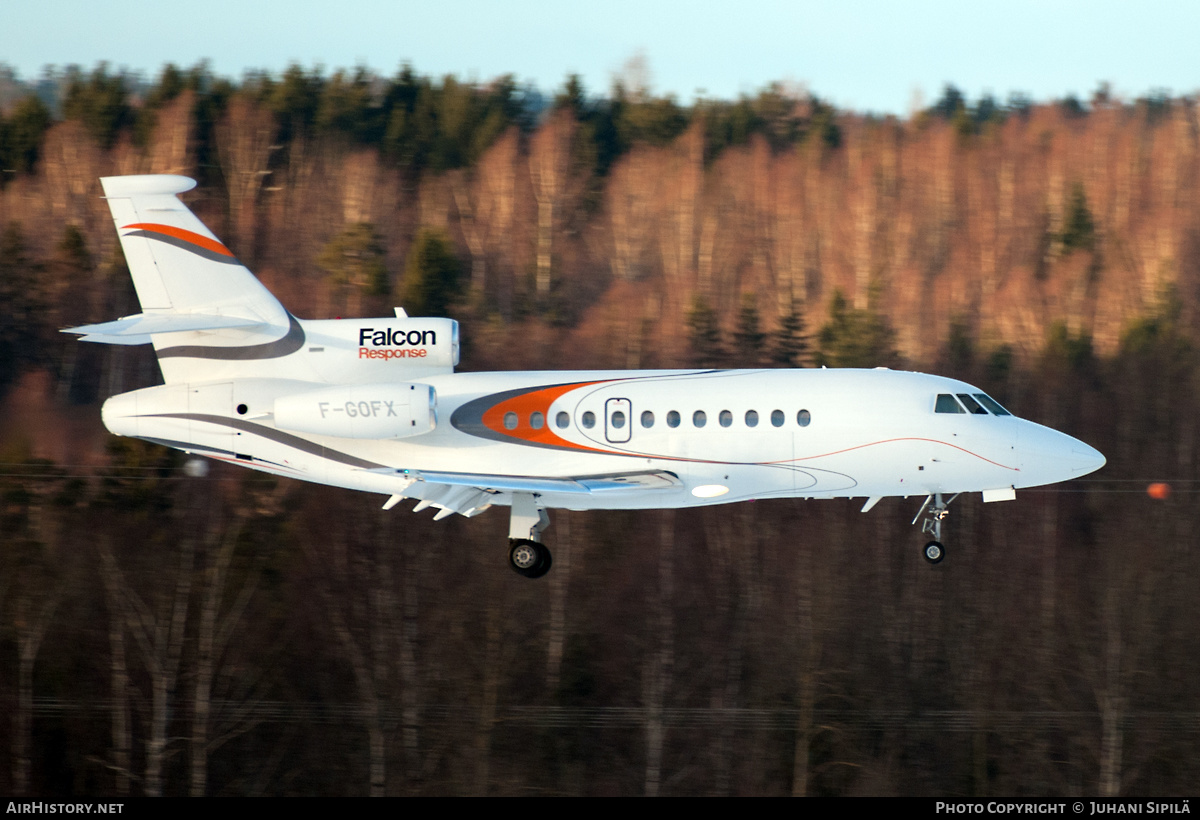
(288, 344)
(271, 433)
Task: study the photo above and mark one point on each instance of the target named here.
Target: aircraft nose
(1048, 456)
(1084, 459)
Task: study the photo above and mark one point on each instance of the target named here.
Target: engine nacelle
(360, 411)
(380, 351)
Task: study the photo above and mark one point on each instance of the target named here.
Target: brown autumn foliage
(232, 634)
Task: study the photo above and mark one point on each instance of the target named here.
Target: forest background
(163, 632)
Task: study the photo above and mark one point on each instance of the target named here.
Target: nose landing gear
(934, 552)
(931, 515)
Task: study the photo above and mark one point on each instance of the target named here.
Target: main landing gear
(529, 558)
(931, 515)
(527, 555)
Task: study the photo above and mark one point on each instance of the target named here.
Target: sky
(864, 55)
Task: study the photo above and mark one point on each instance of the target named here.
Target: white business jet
(375, 405)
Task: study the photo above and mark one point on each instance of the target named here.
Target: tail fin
(195, 294)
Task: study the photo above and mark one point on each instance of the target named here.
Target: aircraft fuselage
(727, 435)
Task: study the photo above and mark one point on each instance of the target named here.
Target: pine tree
(790, 348)
(1079, 229)
(354, 260)
(21, 136)
(704, 333)
(749, 338)
(432, 275)
(854, 338)
(21, 311)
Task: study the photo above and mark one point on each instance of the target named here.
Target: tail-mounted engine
(370, 411)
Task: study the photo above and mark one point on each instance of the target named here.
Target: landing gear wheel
(934, 552)
(529, 558)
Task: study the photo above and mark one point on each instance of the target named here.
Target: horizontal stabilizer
(135, 330)
(100, 338)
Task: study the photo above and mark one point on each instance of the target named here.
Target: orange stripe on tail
(185, 235)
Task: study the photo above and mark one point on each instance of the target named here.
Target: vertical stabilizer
(177, 264)
(203, 311)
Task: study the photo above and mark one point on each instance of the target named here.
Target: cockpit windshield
(972, 406)
(992, 404)
(979, 404)
(947, 404)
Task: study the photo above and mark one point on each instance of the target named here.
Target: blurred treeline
(164, 632)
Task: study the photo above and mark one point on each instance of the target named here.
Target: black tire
(547, 560)
(934, 552)
(529, 558)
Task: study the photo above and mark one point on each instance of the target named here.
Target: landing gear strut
(931, 515)
(527, 555)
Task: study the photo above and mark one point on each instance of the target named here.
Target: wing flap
(469, 494)
(578, 485)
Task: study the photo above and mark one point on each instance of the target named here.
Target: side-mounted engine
(370, 411)
(346, 351)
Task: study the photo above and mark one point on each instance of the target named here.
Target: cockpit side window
(991, 404)
(947, 404)
(972, 405)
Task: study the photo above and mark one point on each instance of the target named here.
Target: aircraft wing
(470, 493)
(583, 485)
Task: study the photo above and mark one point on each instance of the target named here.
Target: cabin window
(751, 418)
(618, 419)
(776, 418)
(726, 418)
(537, 421)
(588, 419)
(562, 419)
(804, 418)
(510, 421)
(991, 404)
(673, 419)
(699, 419)
(647, 418)
(972, 405)
(947, 404)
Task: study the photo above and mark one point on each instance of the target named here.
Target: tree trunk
(214, 634)
(657, 675)
(560, 580)
(410, 712)
(487, 710)
(119, 680)
(807, 678)
(1112, 702)
(29, 642)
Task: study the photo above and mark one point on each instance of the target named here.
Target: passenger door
(618, 420)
